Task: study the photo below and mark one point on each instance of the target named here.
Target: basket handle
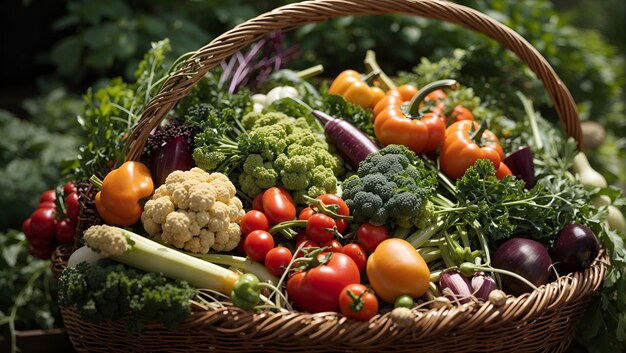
(179, 84)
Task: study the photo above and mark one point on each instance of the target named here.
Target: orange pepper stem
(414, 106)
(372, 66)
(371, 76)
(477, 135)
(95, 181)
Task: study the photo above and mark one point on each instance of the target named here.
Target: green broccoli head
(391, 188)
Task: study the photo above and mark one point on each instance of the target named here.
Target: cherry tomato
(278, 205)
(332, 199)
(333, 245)
(65, 231)
(72, 207)
(357, 254)
(69, 188)
(306, 213)
(277, 260)
(257, 244)
(317, 289)
(370, 236)
(49, 195)
(319, 228)
(358, 302)
(253, 220)
(42, 227)
(257, 203)
(47, 204)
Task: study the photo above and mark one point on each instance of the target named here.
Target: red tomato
(357, 254)
(65, 232)
(47, 204)
(253, 220)
(258, 244)
(72, 207)
(278, 205)
(277, 260)
(333, 245)
(306, 213)
(26, 228)
(307, 244)
(358, 302)
(300, 236)
(49, 195)
(257, 203)
(69, 188)
(40, 253)
(370, 236)
(42, 227)
(332, 199)
(317, 289)
(319, 228)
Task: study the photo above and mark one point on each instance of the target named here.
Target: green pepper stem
(310, 72)
(372, 65)
(414, 106)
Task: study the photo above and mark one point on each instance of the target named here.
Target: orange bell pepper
(117, 202)
(466, 142)
(419, 132)
(396, 269)
(350, 85)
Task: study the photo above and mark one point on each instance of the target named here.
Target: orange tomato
(395, 268)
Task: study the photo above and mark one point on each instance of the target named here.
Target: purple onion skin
(526, 257)
(522, 166)
(482, 285)
(351, 143)
(575, 248)
(174, 155)
(458, 284)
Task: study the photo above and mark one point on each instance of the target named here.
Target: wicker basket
(541, 321)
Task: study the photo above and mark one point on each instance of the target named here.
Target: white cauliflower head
(196, 211)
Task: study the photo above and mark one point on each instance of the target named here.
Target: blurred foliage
(27, 288)
(30, 156)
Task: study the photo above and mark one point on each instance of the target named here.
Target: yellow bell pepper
(355, 90)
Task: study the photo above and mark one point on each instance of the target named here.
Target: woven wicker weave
(542, 321)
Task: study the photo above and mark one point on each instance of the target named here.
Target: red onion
(525, 257)
(575, 248)
(457, 284)
(483, 284)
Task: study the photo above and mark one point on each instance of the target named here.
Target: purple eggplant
(174, 155)
(522, 166)
(525, 257)
(575, 248)
(482, 285)
(351, 143)
(457, 284)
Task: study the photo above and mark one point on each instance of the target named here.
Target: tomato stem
(287, 225)
(328, 210)
(414, 106)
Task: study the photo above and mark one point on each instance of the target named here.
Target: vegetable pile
(357, 198)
